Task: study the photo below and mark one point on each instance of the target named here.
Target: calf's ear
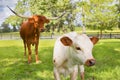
(66, 41)
(94, 40)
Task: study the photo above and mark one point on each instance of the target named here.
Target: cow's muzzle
(90, 62)
(42, 30)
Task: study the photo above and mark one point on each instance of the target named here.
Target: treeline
(4, 28)
(93, 14)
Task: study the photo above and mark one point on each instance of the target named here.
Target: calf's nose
(90, 62)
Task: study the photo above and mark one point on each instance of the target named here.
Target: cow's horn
(54, 18)
(19, 15)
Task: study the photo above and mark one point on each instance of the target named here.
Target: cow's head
(80, 48)
(38, 21)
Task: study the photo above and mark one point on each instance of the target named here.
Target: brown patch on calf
(66, 41)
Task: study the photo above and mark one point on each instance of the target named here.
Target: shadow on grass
(13, 65)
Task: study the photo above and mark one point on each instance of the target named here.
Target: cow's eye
(78, 48)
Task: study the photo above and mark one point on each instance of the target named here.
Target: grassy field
(13, 64)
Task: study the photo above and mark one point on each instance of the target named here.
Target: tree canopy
(95, 14)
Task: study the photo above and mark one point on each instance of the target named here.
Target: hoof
(29, 62)
(37, 62)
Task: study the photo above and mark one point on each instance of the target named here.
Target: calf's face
(80, 48)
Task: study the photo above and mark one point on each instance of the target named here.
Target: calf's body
(72, 51)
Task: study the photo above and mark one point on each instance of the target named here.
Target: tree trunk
(100, 33)
(119, 23)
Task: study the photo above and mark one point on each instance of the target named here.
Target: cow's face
(80, 48)
(39, 22)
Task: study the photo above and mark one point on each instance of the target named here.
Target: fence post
(110, 35)
(1, 36)
(52, 34)
(98, 34)
(10, 36)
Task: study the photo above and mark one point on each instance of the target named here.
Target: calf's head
(80, 48)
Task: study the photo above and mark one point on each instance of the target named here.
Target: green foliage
(100, 13)
(5, 28)
(14, 21)
(14, 66)
(97, 14)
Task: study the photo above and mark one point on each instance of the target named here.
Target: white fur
(67, 59)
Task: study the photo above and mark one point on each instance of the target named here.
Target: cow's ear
(31, 20)
(66, 41)
(94, 40)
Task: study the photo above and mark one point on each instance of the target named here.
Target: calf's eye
(78, 48)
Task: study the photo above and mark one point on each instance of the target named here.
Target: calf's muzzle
(90, 62)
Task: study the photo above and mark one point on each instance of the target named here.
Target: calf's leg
(81, 72)
(56, 74)
(73, 75)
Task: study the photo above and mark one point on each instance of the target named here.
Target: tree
(41, 7)
(96, 14)
(99, 14)
(118, 11)
(5, 27)
(14, 21)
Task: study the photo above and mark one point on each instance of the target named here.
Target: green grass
(107, 54)
(13, 64)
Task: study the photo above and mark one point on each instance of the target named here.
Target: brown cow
(30, 32)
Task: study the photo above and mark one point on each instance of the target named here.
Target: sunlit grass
(107, 60)
(14, 66)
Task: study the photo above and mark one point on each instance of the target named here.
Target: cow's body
(30, 32)
(72, 51)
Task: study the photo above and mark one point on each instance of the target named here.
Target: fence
(115, 35)
(16, 36)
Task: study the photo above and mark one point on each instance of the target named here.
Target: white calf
(72, 51)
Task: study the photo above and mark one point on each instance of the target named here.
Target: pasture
(13, 64)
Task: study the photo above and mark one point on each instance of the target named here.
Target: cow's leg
(81, 72)
(24, 47)
(29, 52)
(56, 74)
(73, 75)
(36, 53)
